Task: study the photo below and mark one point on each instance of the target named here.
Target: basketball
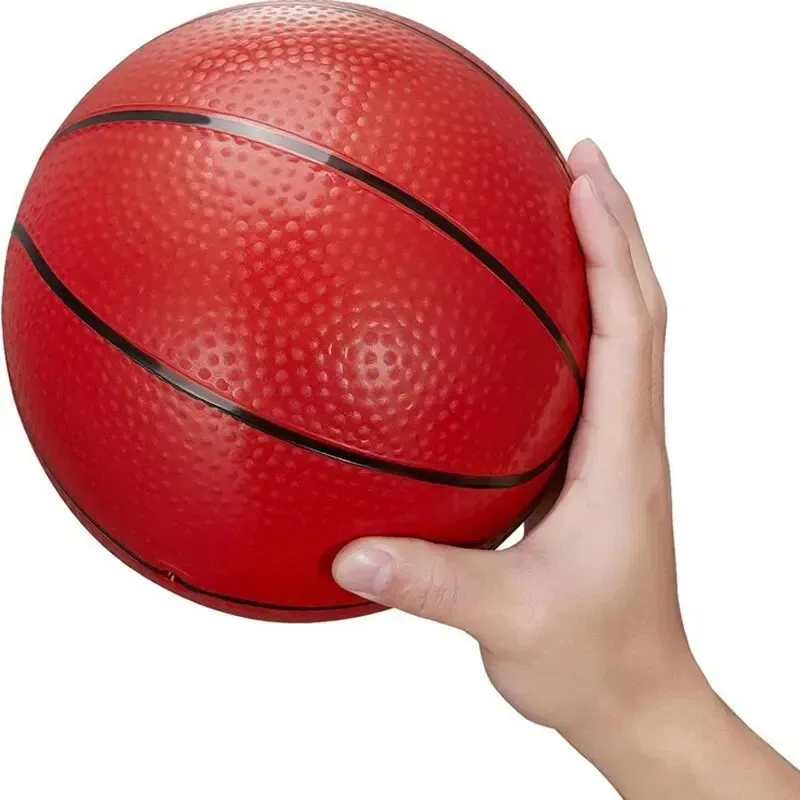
(293, 274)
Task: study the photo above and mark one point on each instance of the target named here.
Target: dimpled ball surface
(293, 274)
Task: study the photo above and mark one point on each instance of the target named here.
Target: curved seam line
(473, 60)
(163, 573)
(264, 134)
(173, 577)
(198, 392)
(413, 26)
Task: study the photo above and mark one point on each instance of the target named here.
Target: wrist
(681, 740)
(656, 715)
(673, 740)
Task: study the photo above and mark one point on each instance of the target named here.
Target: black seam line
(173, 577)
(470, 59)
(418, 29)
(264, 134)
(209, 398)
(163, 573)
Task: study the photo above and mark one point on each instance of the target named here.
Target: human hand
(580, 619)
(579, 625)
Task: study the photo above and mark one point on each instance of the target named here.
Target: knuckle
(436, 592)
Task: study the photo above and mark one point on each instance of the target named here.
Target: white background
(114, 688)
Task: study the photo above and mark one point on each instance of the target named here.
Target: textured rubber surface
(259, 133)
(388, 98)
(196, 390)
(167, 474)
(234, 605)
(293, 291)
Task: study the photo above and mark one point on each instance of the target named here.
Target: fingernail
(366, 571)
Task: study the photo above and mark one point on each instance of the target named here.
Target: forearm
(687, 745)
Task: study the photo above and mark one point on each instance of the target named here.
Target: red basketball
(293, 274)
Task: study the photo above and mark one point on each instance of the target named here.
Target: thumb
(467, 589)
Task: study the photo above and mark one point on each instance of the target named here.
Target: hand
(582, 617)
(579, 624)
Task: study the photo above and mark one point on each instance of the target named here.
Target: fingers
(618, 397)
(466, 589)
(587, 159)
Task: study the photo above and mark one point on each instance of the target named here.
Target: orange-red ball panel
(293, 274)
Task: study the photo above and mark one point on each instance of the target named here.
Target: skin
(579, 625)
